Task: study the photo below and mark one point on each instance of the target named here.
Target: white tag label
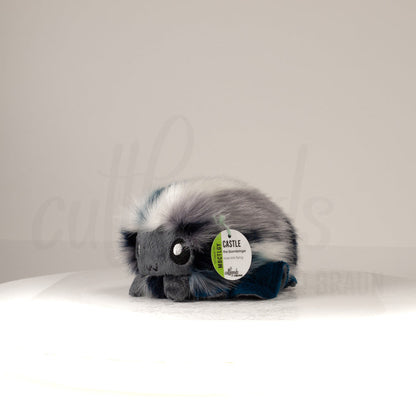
(231, 255)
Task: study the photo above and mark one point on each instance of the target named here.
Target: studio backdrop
(312, 102)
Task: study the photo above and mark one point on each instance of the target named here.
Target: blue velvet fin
(265, 283)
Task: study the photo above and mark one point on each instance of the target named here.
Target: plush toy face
(165, 260)
(160, 253)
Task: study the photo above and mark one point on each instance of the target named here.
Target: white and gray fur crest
(192, 208)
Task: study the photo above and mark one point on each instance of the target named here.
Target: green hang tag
(231, 254)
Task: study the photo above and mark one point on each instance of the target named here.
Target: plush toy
(209, 239)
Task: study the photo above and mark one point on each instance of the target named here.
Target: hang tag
(231, 256)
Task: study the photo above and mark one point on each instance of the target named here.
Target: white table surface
(339, 343)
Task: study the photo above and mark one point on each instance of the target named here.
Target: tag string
(221, 221)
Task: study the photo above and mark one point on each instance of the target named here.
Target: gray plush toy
(168, 242)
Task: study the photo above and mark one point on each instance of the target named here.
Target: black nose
(154, 267)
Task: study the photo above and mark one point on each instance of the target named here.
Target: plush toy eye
(179, 252)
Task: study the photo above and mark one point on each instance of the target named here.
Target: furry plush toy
(168, 242)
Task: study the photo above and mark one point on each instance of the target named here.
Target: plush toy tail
(265, 283)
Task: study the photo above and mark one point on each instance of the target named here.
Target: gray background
(313, 102)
